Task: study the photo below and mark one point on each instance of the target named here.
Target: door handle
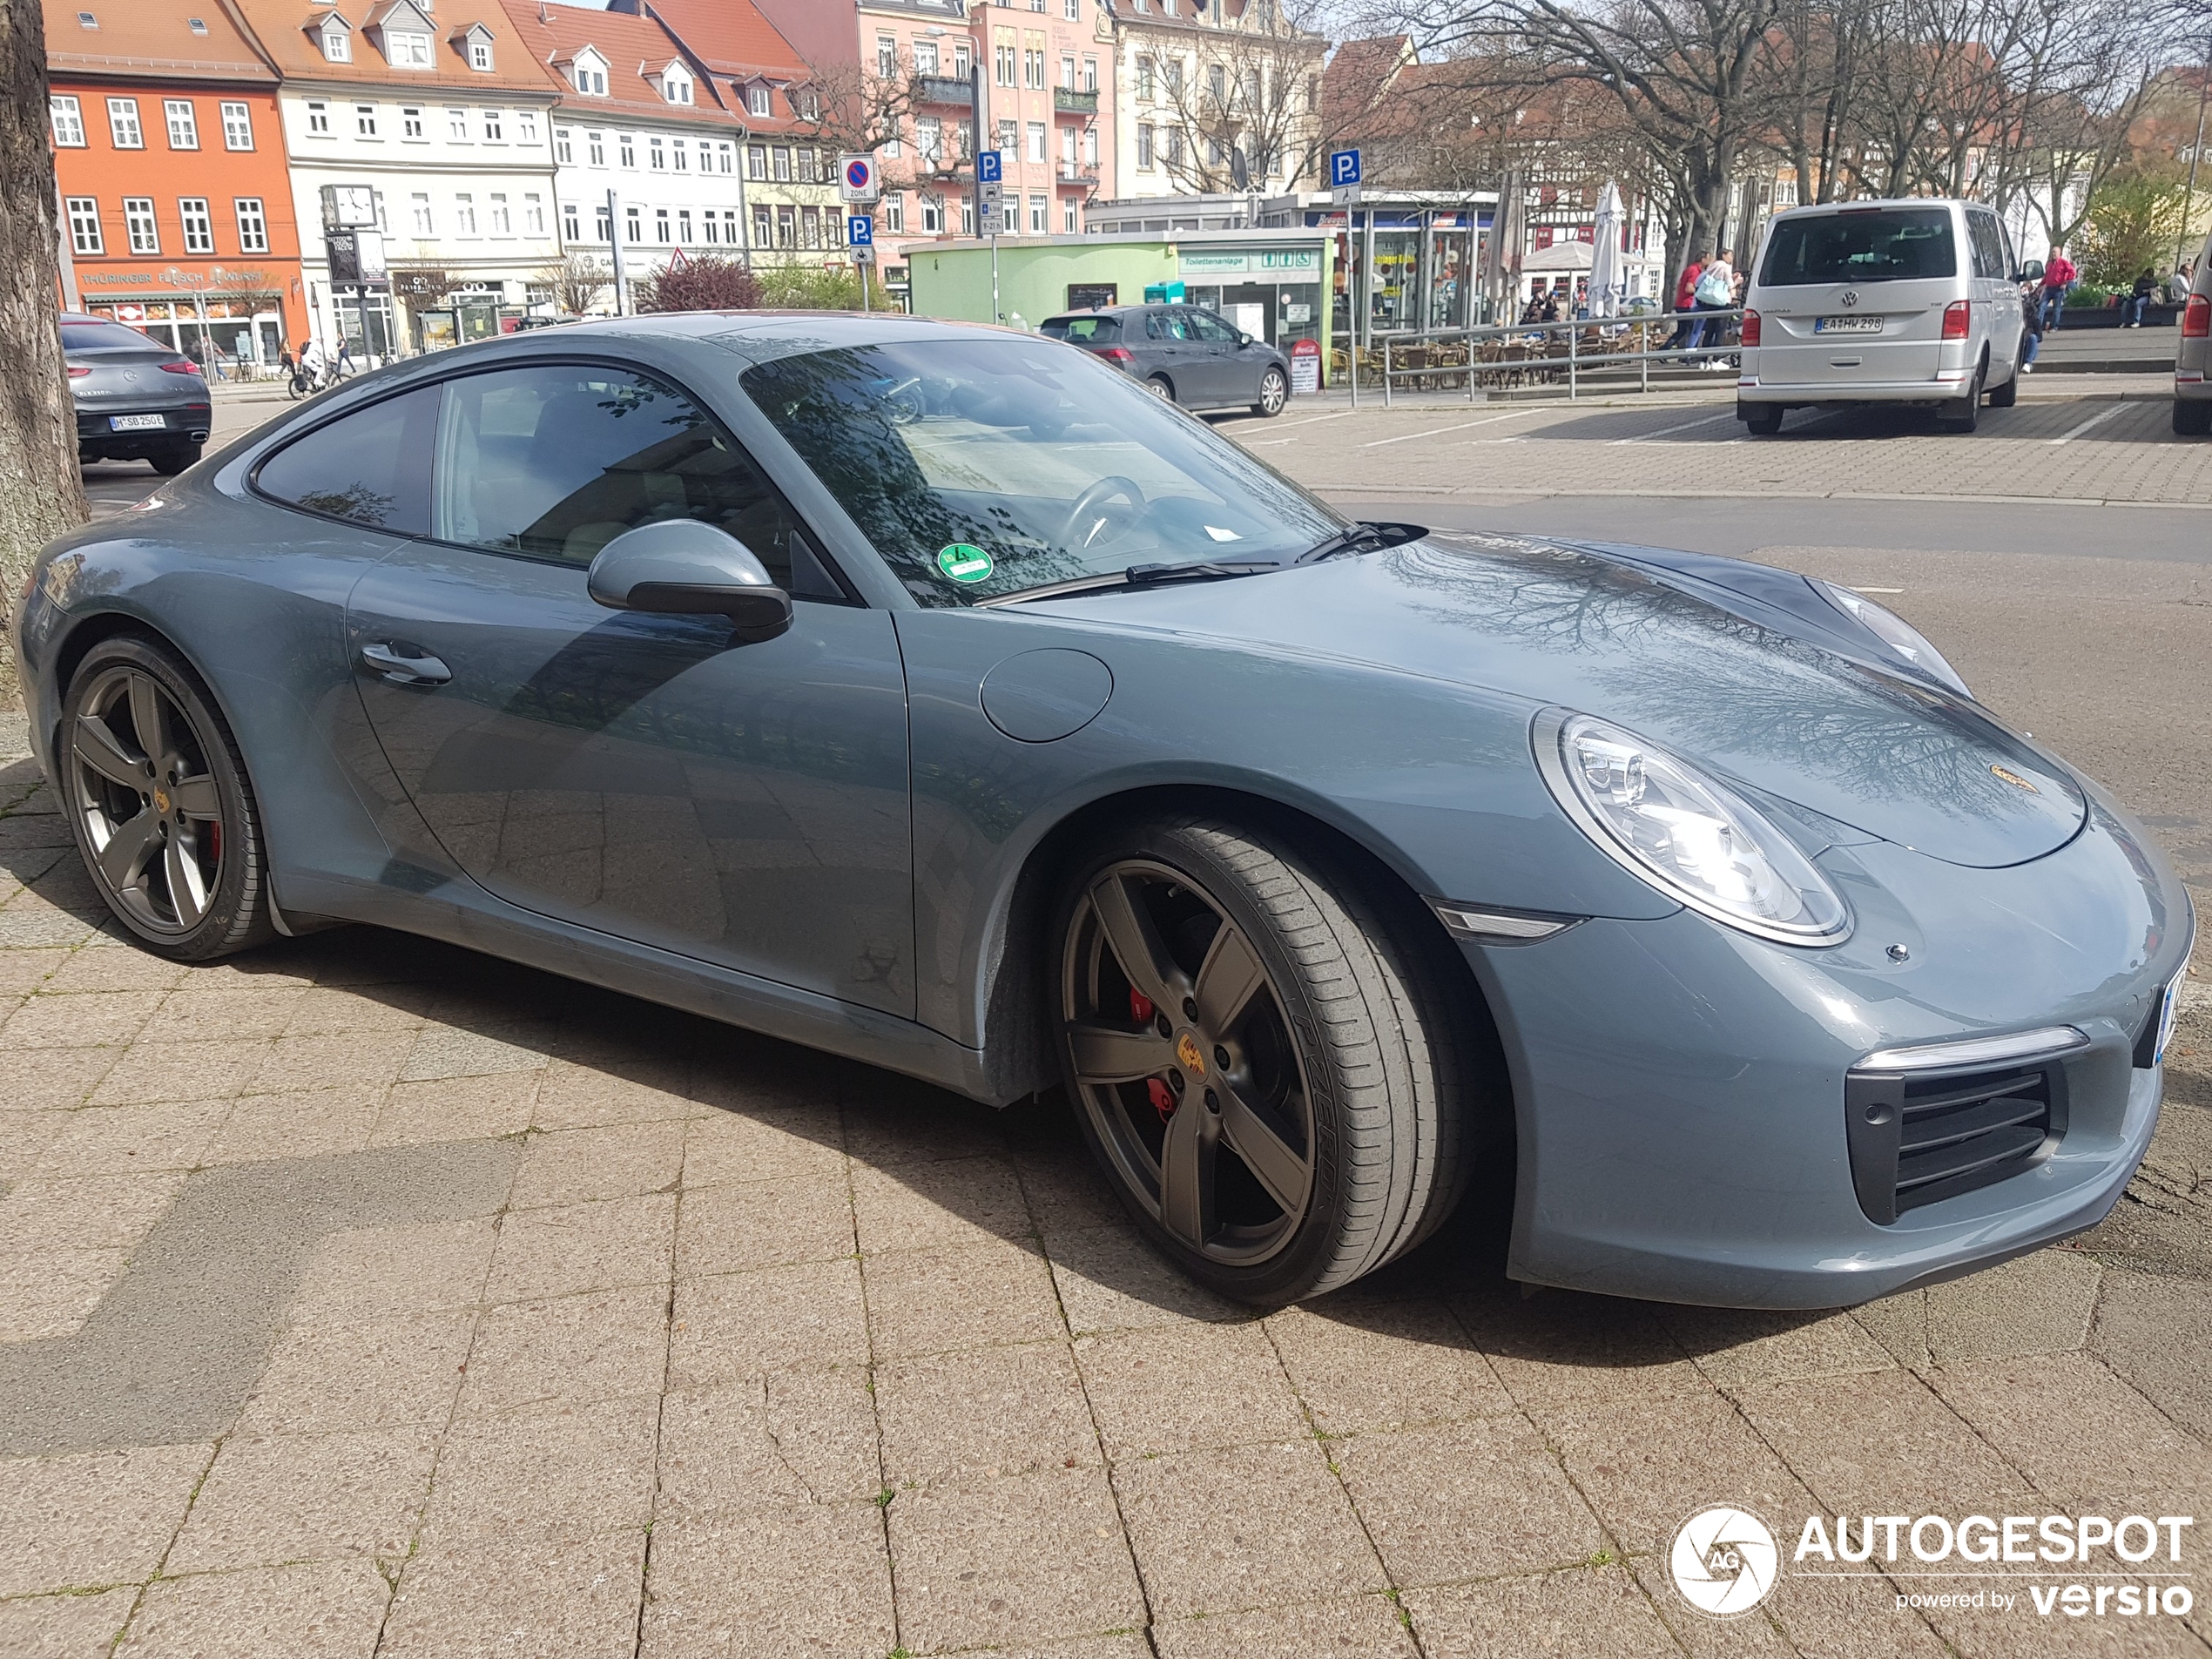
(401, 668)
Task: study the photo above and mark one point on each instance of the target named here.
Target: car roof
(1879, 202)
(1129, 309)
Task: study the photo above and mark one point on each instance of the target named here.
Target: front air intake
(1918, 1137)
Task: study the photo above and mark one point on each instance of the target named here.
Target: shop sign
(1275, 262)
(1215, 264)
(1305, 369)
(420, 285)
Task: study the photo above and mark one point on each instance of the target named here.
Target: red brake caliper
(1155, 1089)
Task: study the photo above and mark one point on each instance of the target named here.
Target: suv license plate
(1847, 324)
(135, 423)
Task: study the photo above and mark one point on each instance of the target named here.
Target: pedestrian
(1715, 291)
(2131, 307)
(1685, 298)
(345, 364)
(2177, 285)
(2059, 275)
(2032, 326)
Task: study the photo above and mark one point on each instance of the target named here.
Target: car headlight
(1687, 835)
(1900, 635)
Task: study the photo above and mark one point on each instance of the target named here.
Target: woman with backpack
(1715, 291)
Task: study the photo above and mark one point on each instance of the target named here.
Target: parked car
(1913, 302)
(136, 399)
(931, 694)
(2192, 392)
(1186, 354)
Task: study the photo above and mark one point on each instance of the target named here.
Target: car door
(1232, 372)
(640, 774)
(1166, 350)
(1995, 290)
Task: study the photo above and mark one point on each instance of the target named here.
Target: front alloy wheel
(1274, 392)
(1271, 1084)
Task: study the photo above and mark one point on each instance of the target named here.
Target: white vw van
(1914, 301)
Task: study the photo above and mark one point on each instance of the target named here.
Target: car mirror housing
(683, 568)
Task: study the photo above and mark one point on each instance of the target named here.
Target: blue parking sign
(987, 167)
(1344, 167)
(860, 230)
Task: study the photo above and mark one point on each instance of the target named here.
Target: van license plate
(135, 423)
(1847, 324)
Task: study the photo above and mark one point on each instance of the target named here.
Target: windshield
(1884, 245)
(981, 467)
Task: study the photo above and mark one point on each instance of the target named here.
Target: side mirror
(683, 568)
(2031, 271)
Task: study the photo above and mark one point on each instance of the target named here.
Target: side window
(1989, 259)
(1156, 325)
(1212, 329)
(1178, 325)
(555, 462)
(370, 468)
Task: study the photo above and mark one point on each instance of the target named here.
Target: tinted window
(1989, 251)
(372, 466)
(1211, 328)
(101, 336)
(1156, 326)
(1084, 331)
(555, 461)
(1878, 244)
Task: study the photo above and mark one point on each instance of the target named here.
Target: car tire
(1161, 388)
(159, 802)
(2192, 417)
(1295, 1030)
(1274, 392)
(1761, 419)
(2005, 396)
(173, 460)
(1964, 413)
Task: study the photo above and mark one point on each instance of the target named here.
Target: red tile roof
(731, 38)
(134, 38)
(637, 49)
(282, 27)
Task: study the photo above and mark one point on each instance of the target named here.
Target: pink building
(1047, 82)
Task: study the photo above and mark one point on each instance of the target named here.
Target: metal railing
(1510, 354)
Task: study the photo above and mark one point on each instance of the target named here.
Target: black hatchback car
(137, 399)
(1183, 352)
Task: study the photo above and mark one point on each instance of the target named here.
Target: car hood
(1735, 687)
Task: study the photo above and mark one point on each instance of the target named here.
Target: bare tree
(41, 494)
(578, 282)
(1241, 107)
(858, 110)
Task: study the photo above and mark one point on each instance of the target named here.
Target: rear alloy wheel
(158, 800)
(2192, 417)
(1272, 1085)
(1762, 419)
(1159, 387)
(1274, 392)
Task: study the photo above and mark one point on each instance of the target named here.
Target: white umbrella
(1605, 254)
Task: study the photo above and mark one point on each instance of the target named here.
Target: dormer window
(589, 72)
(405, 49)
(336, 38)
(480, 56)
(676, 84)
(756, 100)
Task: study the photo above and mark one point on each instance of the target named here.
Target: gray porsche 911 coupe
(932, 695)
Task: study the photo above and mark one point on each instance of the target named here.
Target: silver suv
(1912, 302)
(2192, 392)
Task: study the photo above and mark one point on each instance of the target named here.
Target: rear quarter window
(1885, 245)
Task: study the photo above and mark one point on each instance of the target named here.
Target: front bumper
(1680, 1087)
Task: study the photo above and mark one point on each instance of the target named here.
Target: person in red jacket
(1685, 300)
(2059, 275)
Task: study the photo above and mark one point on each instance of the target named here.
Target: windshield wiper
(1144, 575)
(1365, 534)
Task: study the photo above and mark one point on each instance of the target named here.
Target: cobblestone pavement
(363, 1296)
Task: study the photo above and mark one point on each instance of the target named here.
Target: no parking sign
(856, 181)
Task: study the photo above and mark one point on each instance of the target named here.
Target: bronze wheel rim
(1184, 1063)
(146, 801)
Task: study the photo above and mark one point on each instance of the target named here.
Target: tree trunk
(41, 494)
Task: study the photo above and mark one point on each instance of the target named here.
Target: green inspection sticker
(963, 563)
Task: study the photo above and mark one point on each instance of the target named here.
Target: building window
(677, 89)
(968, 216)
(502, 223)
(595, 150)
(1090, 74)
(633, 226)
(1003, 59)
(886, 56)
(780, 164)
(1068, 148)
(680, 155)
(458, 126)
(419, 202)
(123, 123)
(683, 224)
(68, 116)
(526, 126)
(1146, 79)
(1036, 151)
(494, 129)
(710, 226)
(590, 77)
(1217, 84)
(603, 223)
(1032, 69)
(1009, 138)
(660, 226)
(337, 43)
(727, 155)
(1175, 146)
(365, 120)
(317, 120)
(626, 150)
(756, 161)
(139, 224)
(1010, 217)
(814, 166)
(761, 227)
(933, 214)
(252, 225)
(563, 150)
(1038, 223)
(199, 228)
(237, 126)
(963, 61)
(1144, 148)
(183, 125)
(929, 139)
(411, 121)
(406, 50)
(756, 100)
(786, 227)
(924, 58)
(730, 233)
(894, 214)
(1067, 216)
(464, 214)
(534, 214)
(480, 55)
(656, 158)
(1068, 70)
(84, 225)
(572, 222)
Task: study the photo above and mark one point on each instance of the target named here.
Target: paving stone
(1736, 1348)
(519, 1598)
(49, 1291)
(1359, 1364)
(379, 1375)
(2154, 1333)
(206, 1013)
(1179, 1387)
(378, 1273)
(1252, 1526)
(25, 971)
(65, 1627)
(763, 1223)
(314, 1123)
(2075, 1429)
(602, 1344)
(890, 1121)
(788, 1437)
(580, 1166)
(347, 1060)
(466, 1108)
(1900, 1324)
(931, 1301)
(86, 1020)
(117, 1140)
(1109, 1279)
(320, 1610)
(1594, 1613)
(115, 967)
(984, 1411)
(814, 1578)
(93, 1212)
(931, 1203)
(571, 1096)
(565, 1473)
(1362, 1627)
(441, 1053)
(1885, 1440)
(1028, 1556)
(733, 1326)
(306, 1497)
(2038, 1303)
(1558, 1348)
(45, 1079)
(583, 1247)
(94, 1518)
(723, 1147)
(325, 1010)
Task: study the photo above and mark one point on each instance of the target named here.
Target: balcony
(1077, 172)
(948, 88)
(1066, 101)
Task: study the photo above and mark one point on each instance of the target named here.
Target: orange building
(176, 200)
